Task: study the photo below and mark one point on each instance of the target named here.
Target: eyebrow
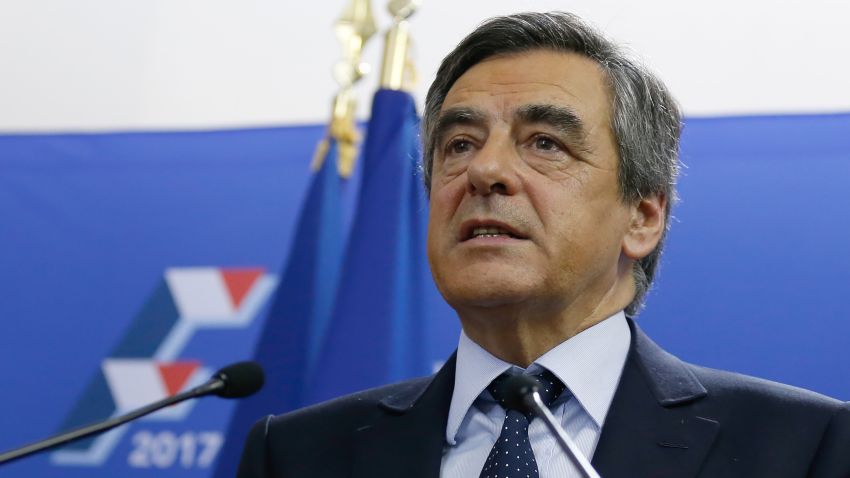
(459, 115)
(562, 118)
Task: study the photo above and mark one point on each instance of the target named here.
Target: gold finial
(397, 71)
(353, 29)
(403, 9)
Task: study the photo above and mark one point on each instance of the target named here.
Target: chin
(465, 291)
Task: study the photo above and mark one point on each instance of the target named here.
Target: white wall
(158, 64)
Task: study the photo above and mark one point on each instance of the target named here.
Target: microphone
(233, 381)
(522, 395)
(237, 380)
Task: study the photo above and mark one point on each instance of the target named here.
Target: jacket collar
(654, 427)
(671, 381)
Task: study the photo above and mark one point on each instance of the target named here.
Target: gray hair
(645, 117)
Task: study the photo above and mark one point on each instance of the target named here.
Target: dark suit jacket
(667, 419)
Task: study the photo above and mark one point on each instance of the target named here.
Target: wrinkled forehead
(501, 84)
(567, 90)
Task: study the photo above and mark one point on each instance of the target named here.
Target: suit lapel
(654, 427)
(407, 439)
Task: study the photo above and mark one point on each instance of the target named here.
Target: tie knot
(550, 387)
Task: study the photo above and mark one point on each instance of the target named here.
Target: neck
(521, 333)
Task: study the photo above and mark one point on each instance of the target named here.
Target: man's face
(525, 207)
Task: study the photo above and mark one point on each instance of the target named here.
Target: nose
(492, 170)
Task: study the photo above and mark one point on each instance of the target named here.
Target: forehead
(503, 83)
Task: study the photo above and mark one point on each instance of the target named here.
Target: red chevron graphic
(176, 374)
(239, 282)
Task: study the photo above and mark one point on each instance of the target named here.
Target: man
(551, 160)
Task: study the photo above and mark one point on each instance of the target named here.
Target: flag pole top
(397, 70)
(354, 27)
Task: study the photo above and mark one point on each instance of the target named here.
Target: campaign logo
(146, 365)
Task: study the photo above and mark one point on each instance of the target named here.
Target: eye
(458, 146)
(545, 143)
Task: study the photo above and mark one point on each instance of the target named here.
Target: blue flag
(289, 342)
(377, 333)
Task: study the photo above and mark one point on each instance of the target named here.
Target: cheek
(433, 245)
(559, 205)
(449, 180)
(441, 208)
(452, 168)
(584, 225)
(434, 226)
(446, 196)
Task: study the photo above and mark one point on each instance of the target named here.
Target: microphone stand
(533, 402)
(212, 386)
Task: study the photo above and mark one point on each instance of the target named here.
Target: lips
(488, 228)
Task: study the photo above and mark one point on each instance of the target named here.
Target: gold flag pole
(397, 72)
(353, 29)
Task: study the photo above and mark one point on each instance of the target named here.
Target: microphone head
(240, 379)
(515, 390)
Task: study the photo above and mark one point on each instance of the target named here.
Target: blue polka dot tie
(512, 456)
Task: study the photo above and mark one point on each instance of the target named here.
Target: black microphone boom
(234, 381)
(522, 395)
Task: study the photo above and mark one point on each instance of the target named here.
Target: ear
(646, 226)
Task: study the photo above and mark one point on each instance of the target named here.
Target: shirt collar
(589, 364)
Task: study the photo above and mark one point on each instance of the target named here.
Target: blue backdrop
(158, 254)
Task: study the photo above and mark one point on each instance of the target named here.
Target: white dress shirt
(589, 364)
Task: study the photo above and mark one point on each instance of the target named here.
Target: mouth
(488, 229)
